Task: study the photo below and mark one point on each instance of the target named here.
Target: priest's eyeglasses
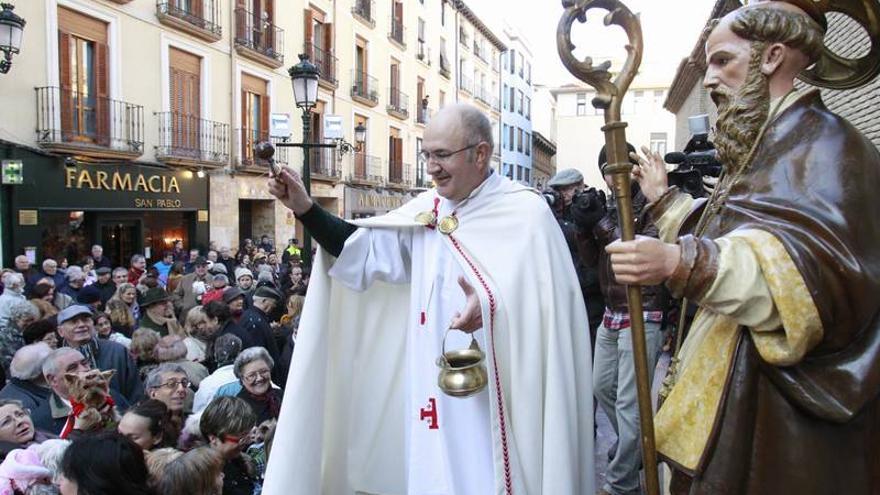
(443, 156)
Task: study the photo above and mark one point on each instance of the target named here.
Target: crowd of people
(161, 377)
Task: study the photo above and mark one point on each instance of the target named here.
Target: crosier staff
(609, 97)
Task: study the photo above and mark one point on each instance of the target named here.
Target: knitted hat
(242, 271)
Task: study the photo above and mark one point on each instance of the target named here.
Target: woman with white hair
(13, 290)
(21, 314)
(253, 368)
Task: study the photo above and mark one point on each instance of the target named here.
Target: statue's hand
(470, 318)
(644, 261)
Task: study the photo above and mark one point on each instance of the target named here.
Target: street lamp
(360, 135)
(304, 77)
(11, 28)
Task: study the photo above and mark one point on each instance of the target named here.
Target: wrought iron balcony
(363, 10)
(466, 84)
(364, 88)
(258, 39)
(366, 168)
(400, 174)
(324, 164)
(87, 124)
(397, 33)
(423, 115)
(326, 63)
(398, 103)
(200, 19)
(424, 53)
(423, 180)
(247, 139)
(189, 139)
(444, 66)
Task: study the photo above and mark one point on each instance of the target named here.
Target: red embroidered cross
(422, 318)
(430, 413)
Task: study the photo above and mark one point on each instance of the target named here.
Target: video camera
(698, 159)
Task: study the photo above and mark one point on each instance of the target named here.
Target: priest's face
(740, 90)
(456, 159)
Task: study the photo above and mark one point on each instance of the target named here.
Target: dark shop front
(62, 208)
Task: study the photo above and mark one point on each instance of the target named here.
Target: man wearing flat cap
(255, 321)
(104, 284)
(191, 287)
(77, 330)
(777, 386)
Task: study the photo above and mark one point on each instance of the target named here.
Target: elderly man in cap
(158, 312)
(104, 284)
(255, 321)
(191, 287)
(235, 298)
(77, 330)
(51, 415)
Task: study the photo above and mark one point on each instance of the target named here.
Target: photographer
(563, 189)
(613, 370)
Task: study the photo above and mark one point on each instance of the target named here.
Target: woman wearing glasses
(253, 368)
(17, 429)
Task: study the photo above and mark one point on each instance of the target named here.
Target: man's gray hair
(22, 308)
(27, 363)
(250, 355)
(74, 272)
(120, 269)
(50, 365)
(13, 280)
(154, 378)
(47, 262)
(137, 257)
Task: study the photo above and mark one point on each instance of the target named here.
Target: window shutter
(266, 108)
(328, 37)
(66, 100)
(240, 20)
(308, 30)
(102, 81)
(245, 128)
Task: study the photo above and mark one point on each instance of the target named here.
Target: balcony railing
(424, 53)
(364, 88)
(481, 94)
(90, 124)
(200, 18)
(400, 174)
(324, 163)
(397, 32)
(423, 180)
(248, 138)
(398, 103)
(363, 10)
(366, 168)
(259, 38)
(496, 103)
(444, 66)
(325, 61)
(423, 115)
(187, 138)
(466, 84)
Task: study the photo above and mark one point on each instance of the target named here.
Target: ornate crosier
(609, 98)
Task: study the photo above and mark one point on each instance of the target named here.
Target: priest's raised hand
(288, 187)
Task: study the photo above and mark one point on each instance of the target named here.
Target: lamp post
(11, 29)
(304, 77)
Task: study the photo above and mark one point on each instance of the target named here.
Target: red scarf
(77, 408)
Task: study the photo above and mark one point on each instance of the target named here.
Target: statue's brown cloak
(811, 428)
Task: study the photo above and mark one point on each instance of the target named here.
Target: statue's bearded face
(740, 90)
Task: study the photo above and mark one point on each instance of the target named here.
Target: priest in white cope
(362, 412)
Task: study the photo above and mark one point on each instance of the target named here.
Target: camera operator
(562, 190)
(614, 382)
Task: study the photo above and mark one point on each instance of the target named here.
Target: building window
(504, 60)
(442, 99)
(84, 78)
(658, 142)
(185, 78)
(521, 65)
(510, 136)
(512, 102)
(519, 172)
(504, 137)
(423, 49)
(442, 12)
(512, 61)
(254, 114)
(581, 103)
(519, 140)
(529, 72)
(528, 108)
(520, 109)
(528, 176)
(528, 144)
(504, 95)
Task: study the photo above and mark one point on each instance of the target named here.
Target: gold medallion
(426, 218)
(448, 224)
